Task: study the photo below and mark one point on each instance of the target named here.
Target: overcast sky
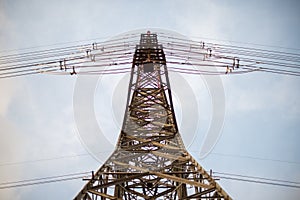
(260, 137)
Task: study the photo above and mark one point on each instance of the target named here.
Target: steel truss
(150, 160)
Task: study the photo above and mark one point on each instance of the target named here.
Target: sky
(39, 132)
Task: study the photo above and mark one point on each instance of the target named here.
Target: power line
(256, 177)
(43, 180)
(228, 59)
(260, 182)
(238, 42)
(81, 175)
(87, 154)
(225, 41)
(104, 39)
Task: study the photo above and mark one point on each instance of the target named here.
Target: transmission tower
(150, 160)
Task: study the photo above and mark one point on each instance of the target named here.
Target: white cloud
(12, 144)
(8, 89)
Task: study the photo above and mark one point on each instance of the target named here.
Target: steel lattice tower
(150, 160)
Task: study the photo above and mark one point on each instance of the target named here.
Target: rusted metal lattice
(150, 160)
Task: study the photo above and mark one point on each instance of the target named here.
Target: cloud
(12, 142)
(7, 31)
(8, 89)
